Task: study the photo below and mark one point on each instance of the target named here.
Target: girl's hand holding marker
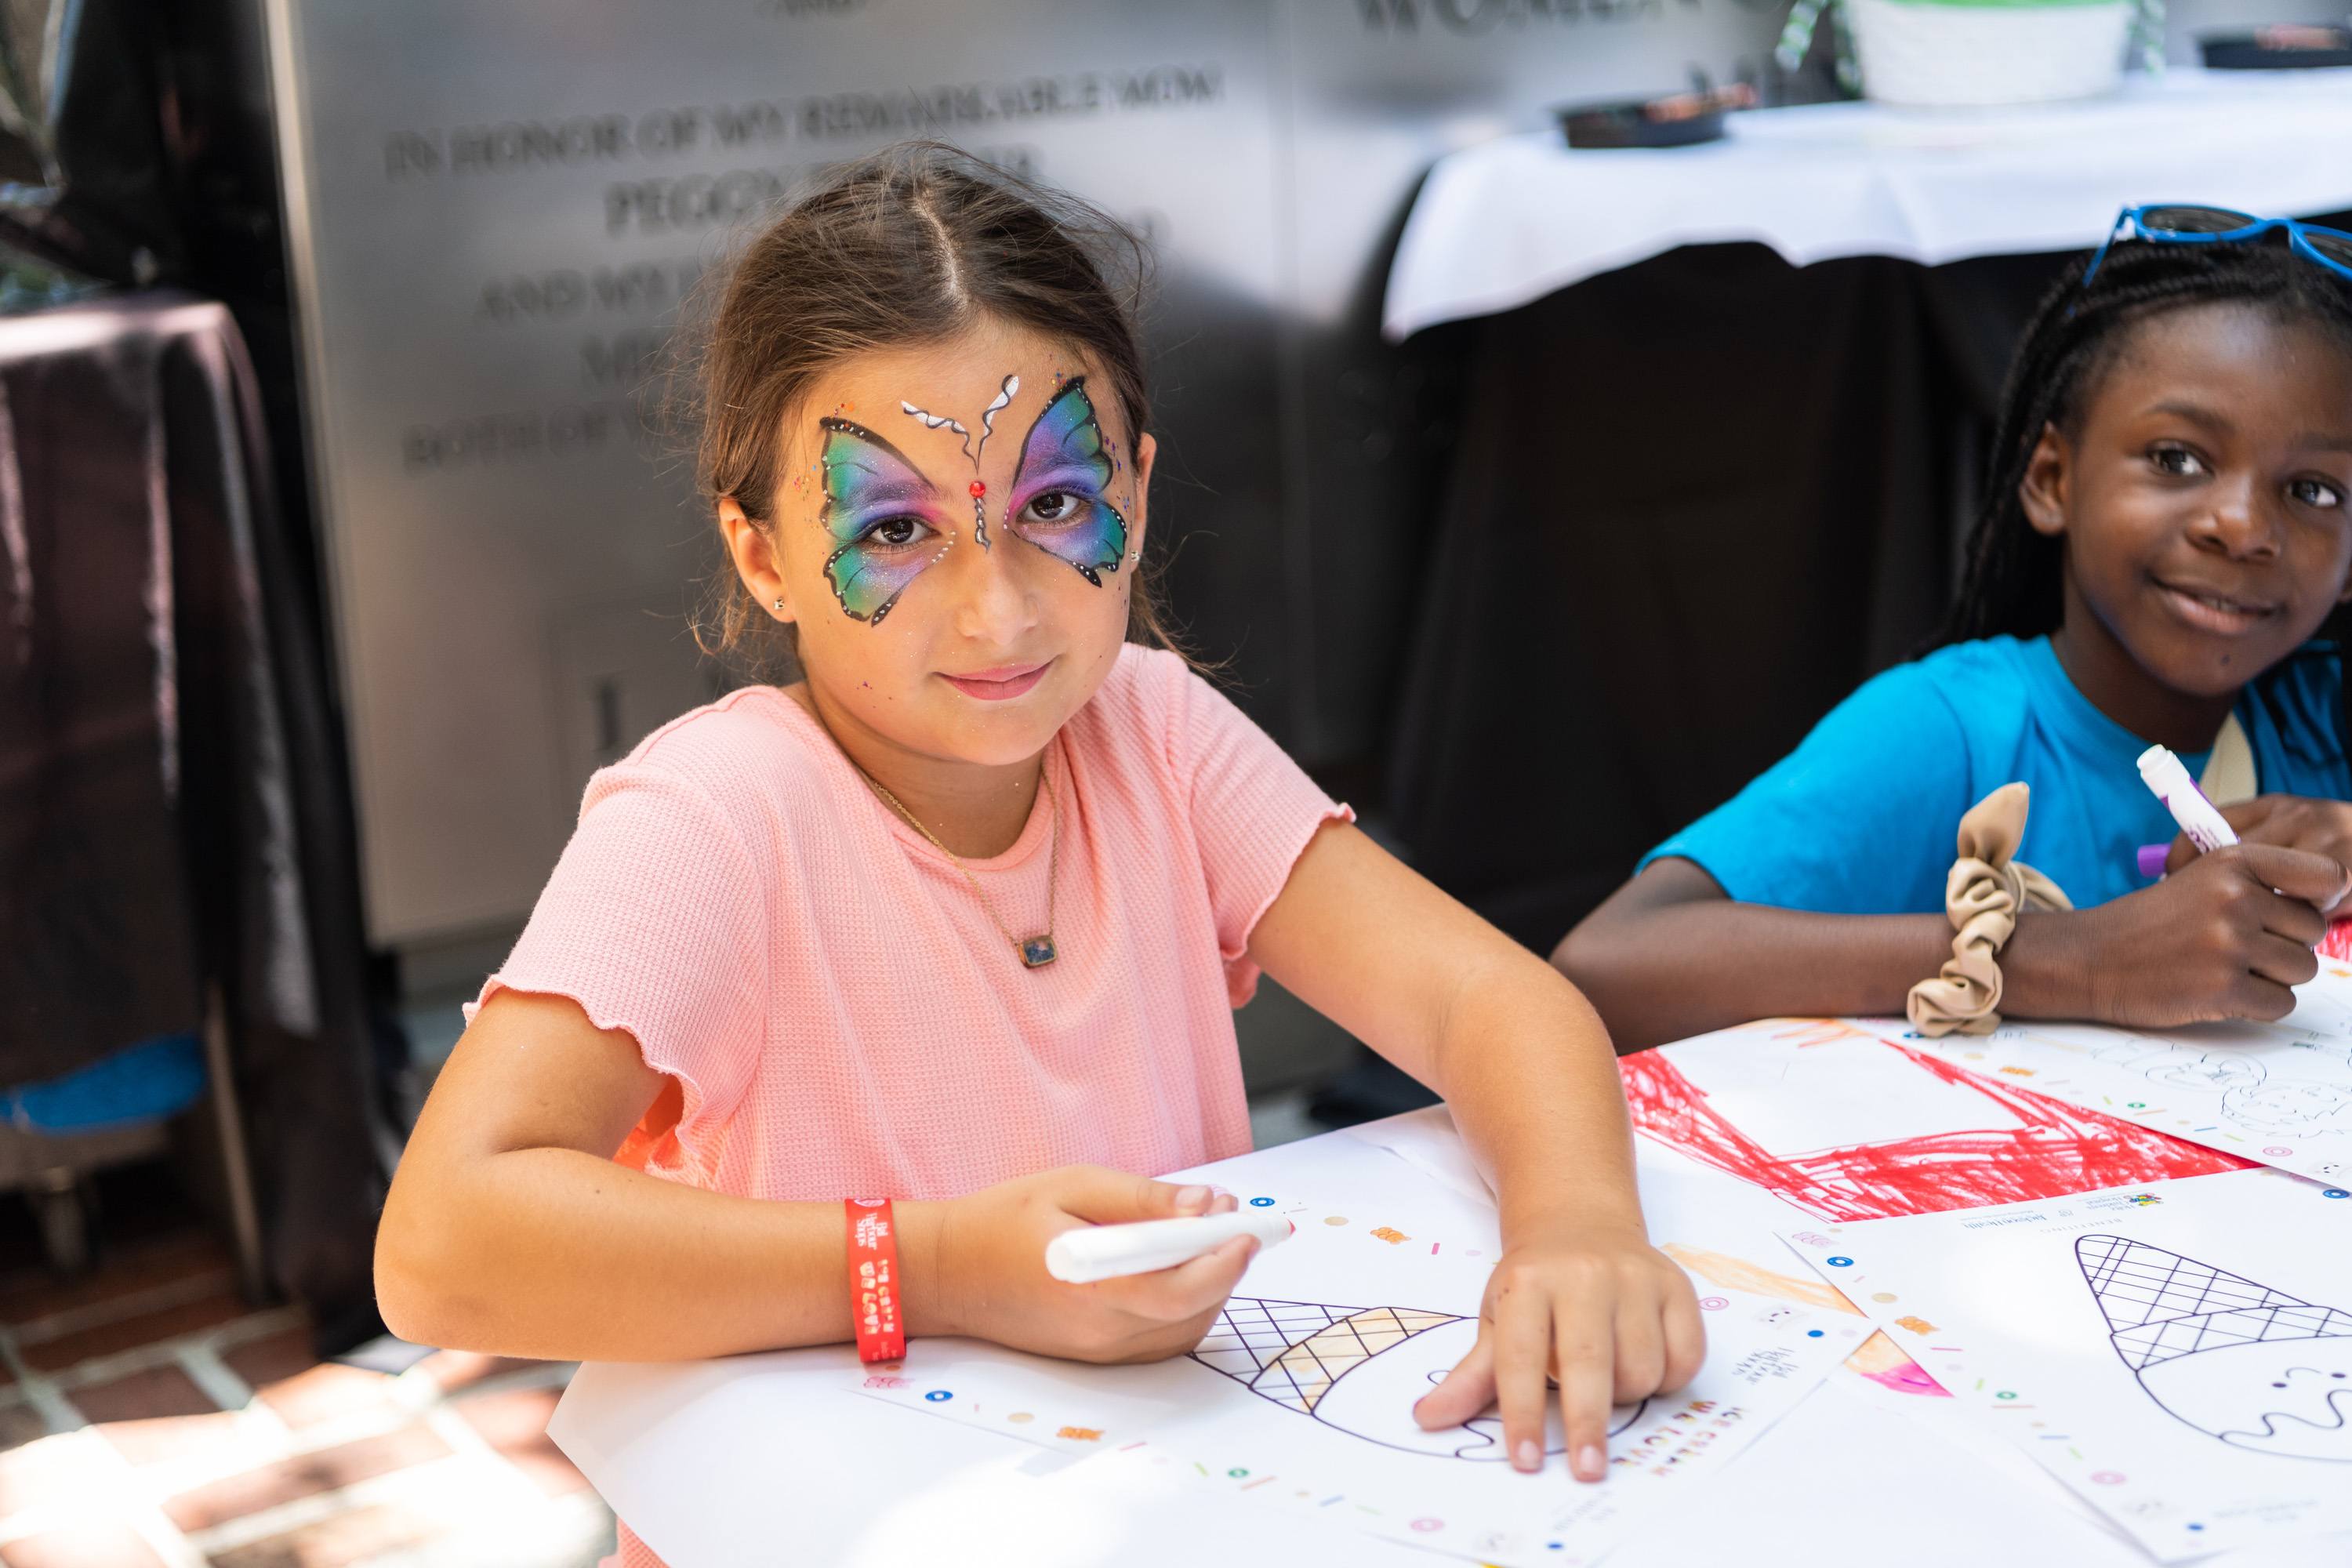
(2228, 935)
(992, 1253)
(2294, 822)
(2200, 824)
(1091, 1253)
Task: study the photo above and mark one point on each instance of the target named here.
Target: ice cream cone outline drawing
(1360, 1369)
(2255, 1367)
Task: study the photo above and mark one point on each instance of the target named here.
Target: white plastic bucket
(1928, 55)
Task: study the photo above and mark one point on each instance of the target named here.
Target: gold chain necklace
(1036, 952)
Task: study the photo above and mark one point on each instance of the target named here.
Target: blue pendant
(1037, 952)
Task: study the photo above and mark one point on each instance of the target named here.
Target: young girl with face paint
(959, 918)
(2162, 558)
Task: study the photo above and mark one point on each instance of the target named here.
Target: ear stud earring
(780, 603)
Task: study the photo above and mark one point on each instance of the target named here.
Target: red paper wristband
(874, 1279)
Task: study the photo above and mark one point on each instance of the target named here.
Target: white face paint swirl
(1005, 394)
(941, 422)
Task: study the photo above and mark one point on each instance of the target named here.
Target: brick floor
(31, 1293)
(152, 1415)
(20, 1423)
(320, 1470)
(337, 1540)
(272, 1358)
(81, 1546)
(162, 1439)
(515, 1423)
(327, 1392)
(159, 1390)
(41, 1472)
(117, 1334)
(454, 1369)
(195, 1428)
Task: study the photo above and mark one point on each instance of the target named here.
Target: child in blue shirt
(2167, 534)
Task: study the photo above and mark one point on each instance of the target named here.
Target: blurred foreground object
(1979, 54)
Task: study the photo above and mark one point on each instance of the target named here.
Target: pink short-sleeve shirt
(842, 1015)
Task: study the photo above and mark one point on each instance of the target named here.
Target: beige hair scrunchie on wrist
(1983, 895)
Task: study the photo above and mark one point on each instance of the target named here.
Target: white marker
(1107, 1251)
(2169, 783)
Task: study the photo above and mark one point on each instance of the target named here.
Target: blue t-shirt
(1861, 817)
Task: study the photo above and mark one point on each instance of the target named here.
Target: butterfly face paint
(1058, 502)
(875, 510)
(1011, 385)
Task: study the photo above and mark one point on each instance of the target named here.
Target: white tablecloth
(1509, 221)
(775, 1459)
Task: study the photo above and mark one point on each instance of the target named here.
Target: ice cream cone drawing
(2255, 1367)
(1359, 1370)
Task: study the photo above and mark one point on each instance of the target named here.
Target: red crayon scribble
(2059, 1150)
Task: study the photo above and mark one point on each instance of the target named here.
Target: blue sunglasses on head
(2175, 222)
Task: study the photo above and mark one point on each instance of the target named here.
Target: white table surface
(850, 1483)
(774, 1459)
(1509, 221)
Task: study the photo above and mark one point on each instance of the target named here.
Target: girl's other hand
(2227, 936)
(988, 1258)
(2293, 821)
(1600, 1313)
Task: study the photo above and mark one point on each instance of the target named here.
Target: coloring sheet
(1901, 1498)
(1300, 1397)
(2280, 1094)
(2179, 1352)
(1844, 1123)
(766, 1459)
(1428, 1139)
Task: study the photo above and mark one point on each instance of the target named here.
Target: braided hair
(2011, 582)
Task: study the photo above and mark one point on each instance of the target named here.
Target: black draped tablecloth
(1695, 502)
(172, 809)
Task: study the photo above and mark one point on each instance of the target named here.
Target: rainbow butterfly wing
(1065, 451)
(867, 482)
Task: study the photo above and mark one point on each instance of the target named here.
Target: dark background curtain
(172, 813)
